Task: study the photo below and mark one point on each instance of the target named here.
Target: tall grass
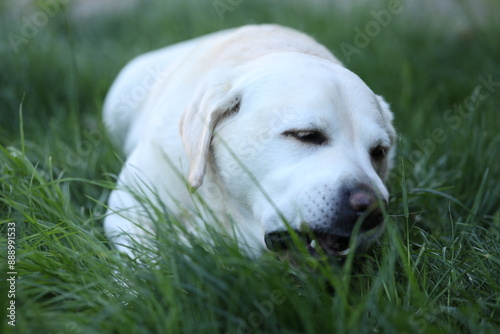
(436, 269)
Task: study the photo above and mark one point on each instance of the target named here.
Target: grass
(437, 268)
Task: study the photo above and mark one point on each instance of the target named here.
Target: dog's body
(265, 123)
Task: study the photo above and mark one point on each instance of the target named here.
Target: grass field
(436, 270)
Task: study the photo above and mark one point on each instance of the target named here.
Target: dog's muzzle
(359, 206)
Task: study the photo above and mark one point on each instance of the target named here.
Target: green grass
(437, 268)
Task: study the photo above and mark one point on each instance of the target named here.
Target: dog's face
(295, 140)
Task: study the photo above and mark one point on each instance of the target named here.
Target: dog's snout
(356, 205)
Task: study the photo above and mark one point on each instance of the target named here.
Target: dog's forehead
(298, 89)
(297, 76)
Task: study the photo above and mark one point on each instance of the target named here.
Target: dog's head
(295, 142)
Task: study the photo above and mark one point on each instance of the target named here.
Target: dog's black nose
(360, 200)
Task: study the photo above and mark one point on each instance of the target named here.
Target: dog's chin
(321, 245)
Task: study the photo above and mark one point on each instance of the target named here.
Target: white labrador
(266, 125)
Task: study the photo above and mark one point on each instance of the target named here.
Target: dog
(264, 125)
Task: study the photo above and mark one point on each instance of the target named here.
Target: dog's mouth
(320, 243)
(316, 244)
(329, 244)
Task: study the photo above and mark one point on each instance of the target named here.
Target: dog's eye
(314, 137)
(378, 153)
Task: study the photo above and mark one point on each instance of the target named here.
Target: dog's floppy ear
(212, 103)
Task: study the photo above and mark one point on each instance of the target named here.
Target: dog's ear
(212, 103)
(386, 110)
(388, 117)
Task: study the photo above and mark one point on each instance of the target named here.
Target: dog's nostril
(360, 201)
